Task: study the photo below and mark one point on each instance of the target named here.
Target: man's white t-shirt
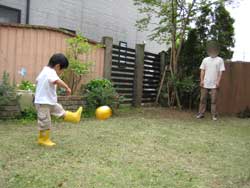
(212, 67)
(46, 87)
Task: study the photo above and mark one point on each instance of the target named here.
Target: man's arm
(219, 79)
(202, 75)
(61, 83)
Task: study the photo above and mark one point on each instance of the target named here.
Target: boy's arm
(61, 83)
(202, 75)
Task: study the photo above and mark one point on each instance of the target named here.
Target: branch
(184, 26)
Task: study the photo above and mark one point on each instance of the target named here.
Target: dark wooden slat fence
(151, 78)
(123, 71)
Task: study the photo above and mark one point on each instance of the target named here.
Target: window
(9, 15)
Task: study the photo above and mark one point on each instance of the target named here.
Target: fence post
(139, 73)
(163, 63)
(163, 60)
(108, 43)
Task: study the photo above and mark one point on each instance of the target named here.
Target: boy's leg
(73, 117)
(43, 117)
(203, 101)
(213, 102)
(44, 123)
(57, 110)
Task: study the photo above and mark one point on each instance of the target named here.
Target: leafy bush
(244, 113)
(7, 91)
(29, 114)
(61, 91)
(100, 92)
(27, 85)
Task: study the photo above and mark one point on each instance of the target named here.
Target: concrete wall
(95, 18)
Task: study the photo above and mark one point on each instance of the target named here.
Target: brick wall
(11, 110)
(71, 103)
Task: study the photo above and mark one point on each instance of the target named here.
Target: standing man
(211, 68)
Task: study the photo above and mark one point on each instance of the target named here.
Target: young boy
(46, 98)
(212, 68)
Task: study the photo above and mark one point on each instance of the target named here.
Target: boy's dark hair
(58, 59)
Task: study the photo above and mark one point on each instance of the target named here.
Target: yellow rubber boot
(44, 138)
(73, 117)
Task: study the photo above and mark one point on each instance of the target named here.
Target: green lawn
(141, 148)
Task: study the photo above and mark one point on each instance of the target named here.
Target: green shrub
(244, 113)
(29, 114)
(7, 91)
(27, 85)
(100, 92)
(61, 91)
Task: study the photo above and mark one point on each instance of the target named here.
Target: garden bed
(10, 110)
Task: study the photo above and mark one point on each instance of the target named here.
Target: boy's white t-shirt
(212, 67)
(46, 87)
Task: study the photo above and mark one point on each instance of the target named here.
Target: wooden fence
(151, 77)
(123, 71)
(30, 47)
(234, 93)
(135, 73)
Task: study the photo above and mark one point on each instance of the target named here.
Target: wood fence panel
(234, 93)
(30, 47)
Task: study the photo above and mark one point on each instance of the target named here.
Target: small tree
(77, 47)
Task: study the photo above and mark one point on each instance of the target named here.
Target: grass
(154, 148)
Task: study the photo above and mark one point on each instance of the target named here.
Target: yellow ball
(103, 112)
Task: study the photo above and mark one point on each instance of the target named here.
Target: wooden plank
(151, 91)
(154, 64)
(122, 75)
(151, 81)
(123, 48)
(119, 64)
(151, 76)
(157, 74)
(118, 69)
(152, 73)
(123, 59)
(124, 91)
(152, 59)
(131, 55)
(151, 54)
(120, 79)
(120, 87)
(150, 87)
(147, 67)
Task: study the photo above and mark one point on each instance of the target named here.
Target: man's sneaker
(214, 118)
(199, 116)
